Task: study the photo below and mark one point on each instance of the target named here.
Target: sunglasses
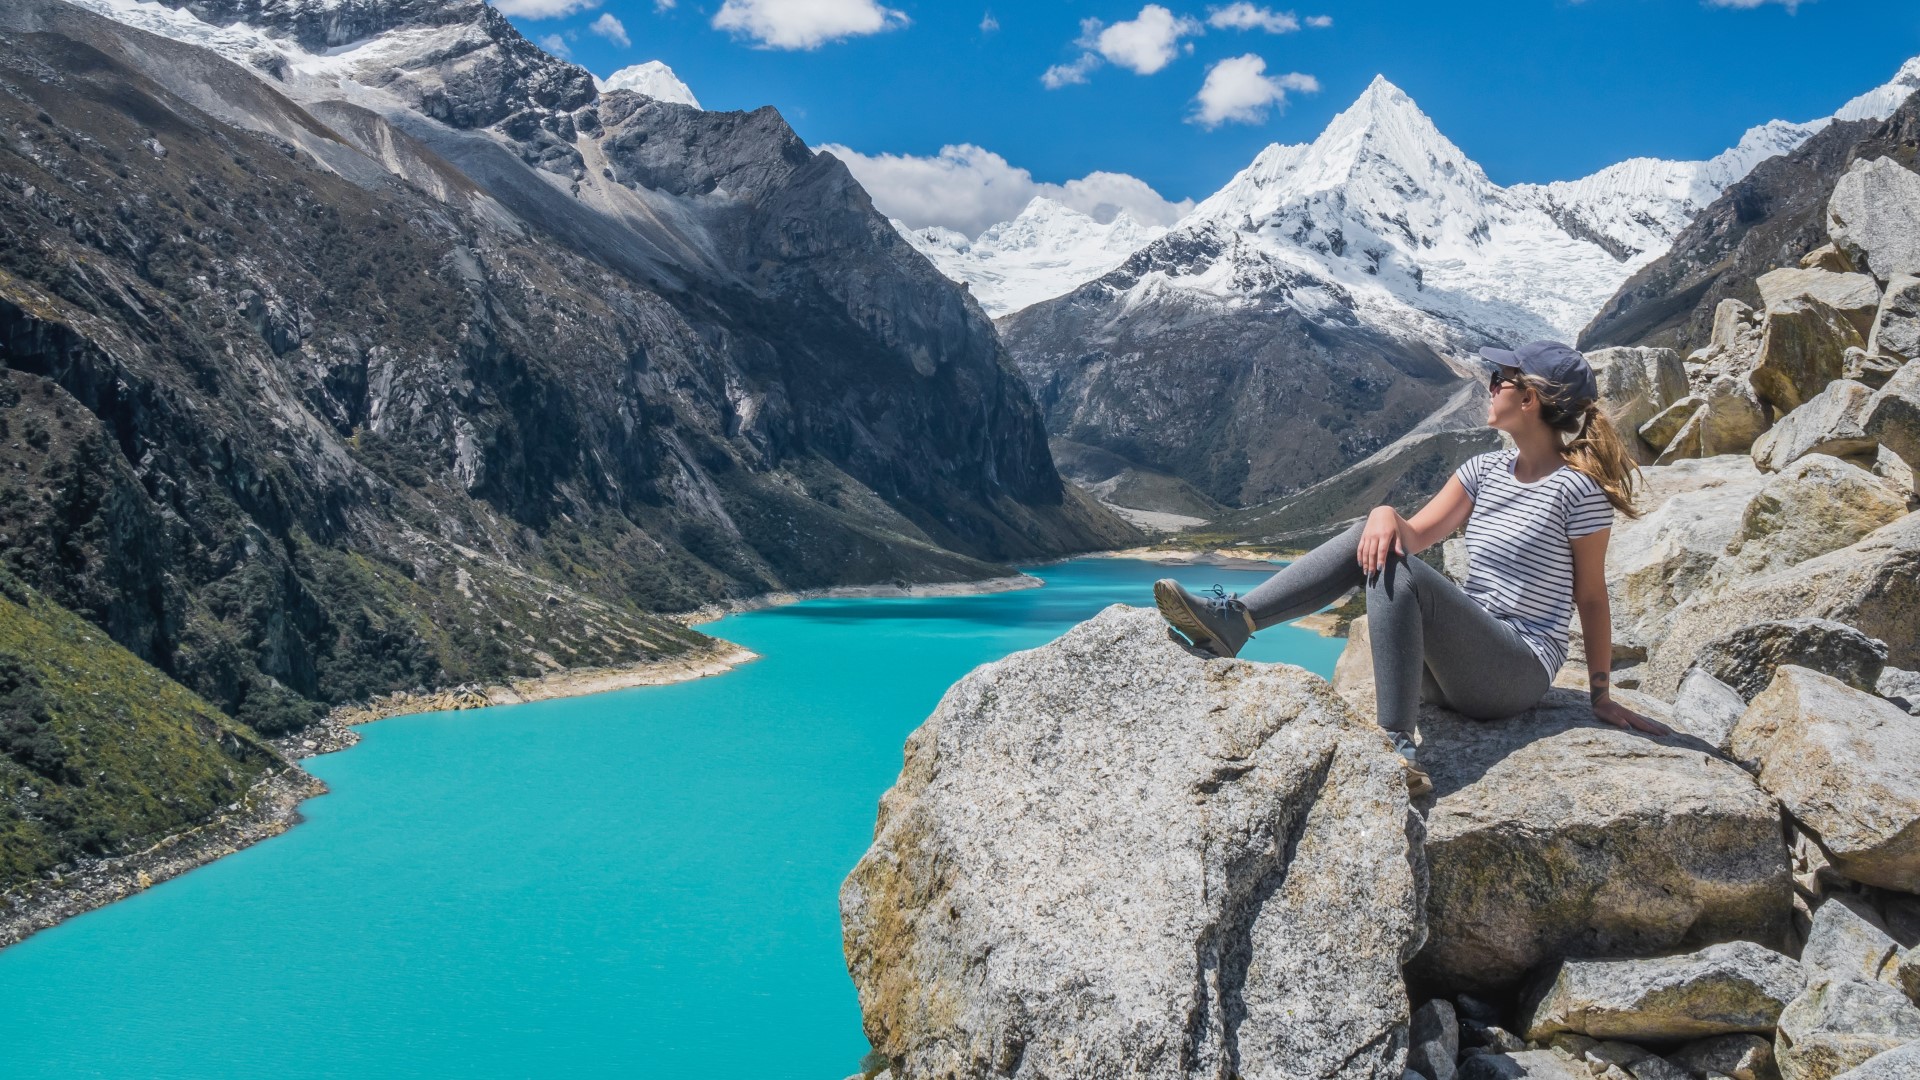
(1494, 380)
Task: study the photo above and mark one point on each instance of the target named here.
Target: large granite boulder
(1523, 1065)
(1838, 1024)
(1635, 385)
(1691, 512)
(1872, 585)
(1845, 764)
(1353, 671)
(1831, 422)
(1849, 940)
(1812, 318)
(1555, 836)
(1662, 430)
(1732, 417)
(1893, 416)
(1747, 658)
(1720, 990)
(1815, 505)
(1900, 1063)
(1896, 326)
(1873, 216)
(1110, 857)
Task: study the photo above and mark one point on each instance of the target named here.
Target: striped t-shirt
(1520, 564)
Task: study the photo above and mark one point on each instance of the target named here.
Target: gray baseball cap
(1567, 373)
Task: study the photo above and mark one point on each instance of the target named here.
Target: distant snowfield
(1385, 208)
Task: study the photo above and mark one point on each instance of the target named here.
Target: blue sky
(1534, 90)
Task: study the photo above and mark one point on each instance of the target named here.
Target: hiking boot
(1418, 782)
(1217, 623)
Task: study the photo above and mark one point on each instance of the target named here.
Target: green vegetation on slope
(101, 754)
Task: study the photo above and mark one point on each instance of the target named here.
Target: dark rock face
(1768, 219)
(311, 430)
(1245, 402)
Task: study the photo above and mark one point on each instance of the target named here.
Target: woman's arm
(1387, 532)
(1596, 628)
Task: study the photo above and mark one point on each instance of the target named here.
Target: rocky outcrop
(1737, 1057)
(1815, 505)
(1874, 217)
(1723, 989)
(1245, 906)
(1832, 422)
(1846, 765)
(1811, 318)
(1896, 326)
(1901, 1063)
(1707, 708)
(1872, 585)
(1838, 1024)
(1746, 659)
(1848, 940)
(1635, 386)
(1691, 512)
(1552, 836)
(1893, 415)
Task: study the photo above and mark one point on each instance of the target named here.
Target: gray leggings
(1429, 637)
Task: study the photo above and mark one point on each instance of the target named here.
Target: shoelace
(1220, 598)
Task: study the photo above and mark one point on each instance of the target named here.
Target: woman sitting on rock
(1537, 520)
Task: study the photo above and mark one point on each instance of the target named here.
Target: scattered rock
(1896, 326)
(1815, 505)
(1831, 422)
(1522, 1065)
(1691, 512)
(1900, 686)
(1690, 440)
(1353, 671)
(1849, 941)
(1836, 1024)
(1846, 765)
(1707, 708)
(1722, 989)
(1733, 417)
(1613, 1059)
(1874, 217)
(1637, 383)
(1893, 416)
(1735, 325)
(1659, 430)
(1434, 1040)
(1900, 1063)
(1736, 1057)
(1907, 974)
(1872, 585)
(1812, 318)
(1826, 257)
(1870, 368)
(1106, 856)
(1747, 658)
(1553, 835)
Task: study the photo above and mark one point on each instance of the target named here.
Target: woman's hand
(1622, 717)
(1380, 540)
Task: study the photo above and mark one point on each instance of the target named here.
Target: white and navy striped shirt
(1520, 562)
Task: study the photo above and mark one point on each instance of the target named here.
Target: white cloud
(1792, 6)
(1238, 90)
(805, 24)
(612, 29)
(661, 7)
(543, 9)
(1144, 44)
(969, 188)
(1319, 22)
(1060, 75)
(1245, 16)
(556, 45)
(988, 24)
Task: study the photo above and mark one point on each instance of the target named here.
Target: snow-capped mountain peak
(653, 79)
(1045, 250)
(1879, 102)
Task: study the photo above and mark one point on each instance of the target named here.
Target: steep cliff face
(390, 370)
(1767, 219)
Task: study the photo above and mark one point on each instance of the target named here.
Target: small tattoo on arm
(1597, 686)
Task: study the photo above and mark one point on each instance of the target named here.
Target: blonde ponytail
(1593, 446)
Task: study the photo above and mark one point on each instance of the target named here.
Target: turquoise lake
(637, 883)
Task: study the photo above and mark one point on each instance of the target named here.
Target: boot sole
(1175, 611)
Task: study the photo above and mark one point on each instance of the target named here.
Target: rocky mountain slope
(1776, 211)
(1199, 874)
(1379, 230)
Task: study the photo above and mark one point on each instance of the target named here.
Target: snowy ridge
(1383, 210)
(653, 79)
(1045, 251)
